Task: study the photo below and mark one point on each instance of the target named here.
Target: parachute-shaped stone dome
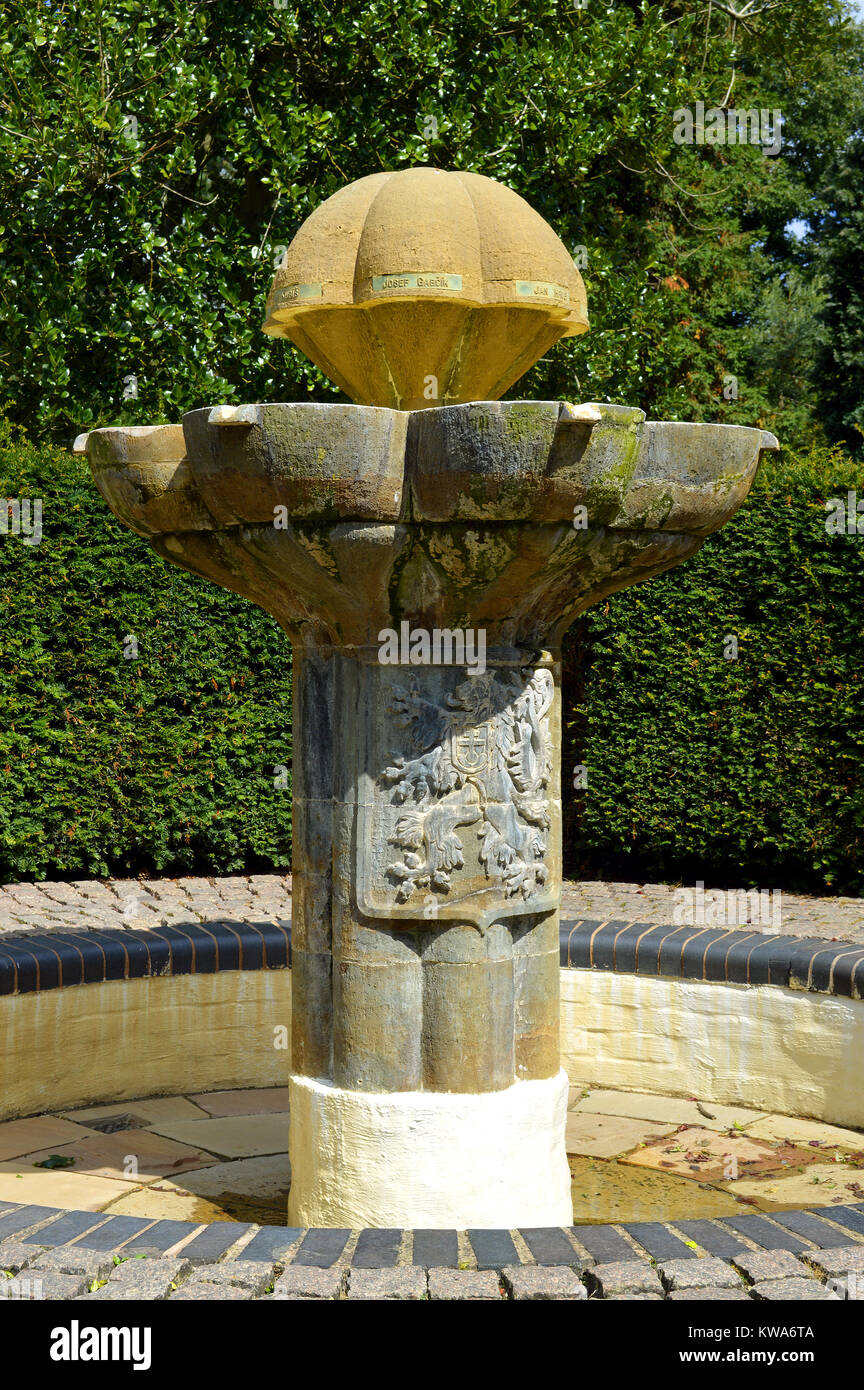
(424, 287)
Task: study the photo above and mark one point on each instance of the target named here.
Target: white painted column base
(429, 1158)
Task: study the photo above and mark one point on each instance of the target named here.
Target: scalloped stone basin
(257, 494)
(485, 461)
(426, 1086)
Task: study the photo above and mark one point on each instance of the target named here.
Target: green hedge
(733, 772)
(163, 763)
(698, 767)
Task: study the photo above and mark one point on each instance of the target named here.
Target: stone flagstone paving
(657, 1217)
(223, 1156)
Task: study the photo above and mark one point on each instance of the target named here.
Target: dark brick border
(30, 961)
(578, 1247)
(33, 961)
(715, 955)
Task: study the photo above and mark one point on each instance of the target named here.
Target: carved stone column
(425, 1087)
(426, 942)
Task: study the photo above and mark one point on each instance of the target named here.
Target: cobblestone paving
(262, 897)
(840, 919)
(94, 903)
(76, 1272)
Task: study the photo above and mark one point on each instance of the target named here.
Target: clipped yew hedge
(735, 772)
(160, 763)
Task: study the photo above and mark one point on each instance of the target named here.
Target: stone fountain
(425, 551)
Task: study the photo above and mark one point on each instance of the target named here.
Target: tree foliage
(839, 365)
(152, 163)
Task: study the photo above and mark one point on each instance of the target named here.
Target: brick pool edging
(38, 961)
(714, 955)
(787, 1255)
(34, 962)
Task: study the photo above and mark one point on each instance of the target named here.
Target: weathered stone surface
(769, 1264)
(709, 1295)
(659, 1109)
(646, 487)
(709, 1273)
(143, 474)
(422, 990)
(211, 1293)
(74, 1260)
(792, 1290)
(365, 1285)
(464, 1285)
(530, 1282)
(847, 1259)
(43, 1284)
(148, 1278)
(305, 1281)
(244, 1274)
(635, 1297)
(606, 1136)
(15, 1255)
(795, 1131)
(19, 1137)
(624, 1277)
(705, 1154)
(358, 477)
(809, 1186)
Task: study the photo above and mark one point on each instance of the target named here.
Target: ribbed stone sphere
(425, 287)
